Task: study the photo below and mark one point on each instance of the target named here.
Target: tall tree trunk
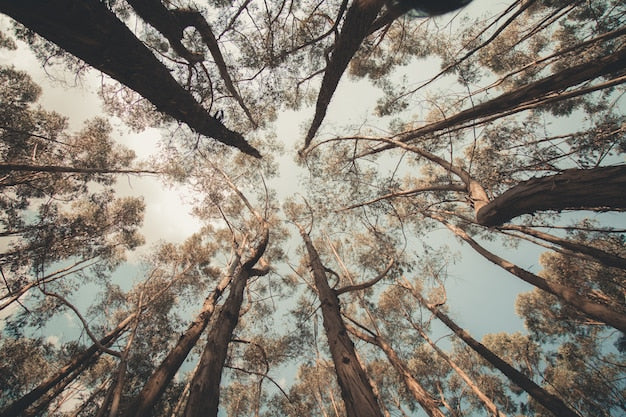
(356, 27)
(91, 32)
(489, 404)
(162, 376)
(543, 397)
(600, 312)
(546, 90)
(88, 356)
(578, 189)
(417, 390)
(356, 391)
(590, 252)
(204, 392)
(172, 23)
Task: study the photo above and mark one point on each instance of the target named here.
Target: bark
(172, 23)
(356, 391)
(546, 90)
(88, 356)
(5, 167)
(204, 391)
(162, 376)
(417, 390)
(356, 27)
(489, 404)
(592, 253)
(552, 403)
(91, 32)
(600, 312)
(600, 188)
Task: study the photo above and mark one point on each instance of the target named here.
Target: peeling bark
(91, 32)
(601, 188)
(356, 390)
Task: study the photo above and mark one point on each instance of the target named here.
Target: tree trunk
(489, 405)
(543, 397)
(91, 32)
(204, 391)
(356, 391)
(162, 376)
(88, 356)
(543, 91)
(602, 188)
(356, 27)
(172, 23)
(419, 393)
(590, 252)
(600, 312)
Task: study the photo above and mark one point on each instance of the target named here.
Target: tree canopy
(491, 150)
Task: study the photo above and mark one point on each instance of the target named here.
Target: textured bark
(415, 388)
(85, 358)
(601, 188)
(543, 397)
(356, 391)
(356, 27)
(600, 312)
(204, 392)
(91, 32)
(172, 23)
(162, 376)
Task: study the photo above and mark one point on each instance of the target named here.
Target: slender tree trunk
(357, 393)
(417, 390)
(543, 397)
(526, 97)
(600, 312)
(573, 189)
(489, 405)
(600, 256)
(356, 27)
(91, 32)
(5, 167)
(162, 376)
(88, 356)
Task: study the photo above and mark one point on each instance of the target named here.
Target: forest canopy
(492, 150)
